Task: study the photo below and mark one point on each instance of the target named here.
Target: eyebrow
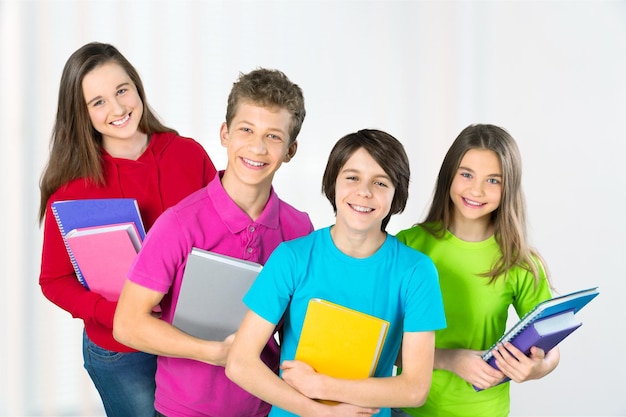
(116, 88)
(472, 171)
(356, 171)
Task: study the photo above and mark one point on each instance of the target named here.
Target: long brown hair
(509, 219)
(75, 146)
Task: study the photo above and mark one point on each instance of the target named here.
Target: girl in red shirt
(108, 143)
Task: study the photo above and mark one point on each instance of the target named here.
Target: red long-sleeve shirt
(171, 168)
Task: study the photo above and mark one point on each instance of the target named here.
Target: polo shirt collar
(235, 219)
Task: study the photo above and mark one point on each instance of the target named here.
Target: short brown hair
(386, 150)
(268, 88)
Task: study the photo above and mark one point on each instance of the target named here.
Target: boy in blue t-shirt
(354, 263)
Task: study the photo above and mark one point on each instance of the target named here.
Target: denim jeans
(125, 381)
(398, 412)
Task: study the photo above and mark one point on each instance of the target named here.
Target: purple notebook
(546, 325)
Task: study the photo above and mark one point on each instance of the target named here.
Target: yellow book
(341, 342)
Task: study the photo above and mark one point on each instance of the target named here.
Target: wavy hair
(268, 88)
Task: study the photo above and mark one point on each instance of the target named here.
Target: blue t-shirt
(397, 284)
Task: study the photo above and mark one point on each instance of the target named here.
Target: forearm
(255, 377)
(135, 326)
(445, 359)
(409, 389)
(152, 335)
(396, 391)
(70, 295)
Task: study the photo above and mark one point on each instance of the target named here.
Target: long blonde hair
(509, 219)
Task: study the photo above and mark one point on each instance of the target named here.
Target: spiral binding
(79, 274)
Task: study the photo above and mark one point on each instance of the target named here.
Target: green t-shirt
(476, 313)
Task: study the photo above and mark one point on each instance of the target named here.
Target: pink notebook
(104, 255)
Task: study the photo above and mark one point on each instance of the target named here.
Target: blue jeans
(398, 412)
(125, 381)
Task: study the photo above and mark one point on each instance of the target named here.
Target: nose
(117, 107)
(477, 188)
(364, 190)
(257, 144)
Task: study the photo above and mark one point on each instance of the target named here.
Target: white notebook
(210, 302)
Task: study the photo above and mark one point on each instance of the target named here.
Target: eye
(246, 129)
(122, 91)
(351, 178)
(493, 181)
(466, 175)
(97, 103)
(381, 184)
(274, 137)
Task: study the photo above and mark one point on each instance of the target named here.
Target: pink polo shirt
(208, 219)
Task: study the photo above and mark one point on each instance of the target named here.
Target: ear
(291, 151)
(224, 136)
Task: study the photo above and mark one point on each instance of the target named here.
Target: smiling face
(363, 195)
(257, 144)
(476, 188)
(113, 103)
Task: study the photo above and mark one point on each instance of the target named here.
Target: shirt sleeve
(162, 254)
(423, 303)
(59, 283)
(272, 290)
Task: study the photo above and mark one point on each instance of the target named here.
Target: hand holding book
(545, 326)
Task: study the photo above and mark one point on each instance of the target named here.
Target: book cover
(210, 302)
(76, 214)
(339, 341)
(544, 333)
(546, 325)
(104, 255)
(573, 301)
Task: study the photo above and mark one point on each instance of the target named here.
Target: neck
(472, 231)
(357, 244)
(252, 199)
(126, 148)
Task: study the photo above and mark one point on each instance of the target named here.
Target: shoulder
(80, 188)
(288, 210)
(303, 243)
(413, 233)
(169, 142)
(195, 202)
(409, 256)
(293, 220)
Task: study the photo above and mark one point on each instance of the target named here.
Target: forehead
(268, 116)
(483, 160)
(362, 161)
(108, 75)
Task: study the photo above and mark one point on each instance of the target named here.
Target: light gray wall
(552, 73)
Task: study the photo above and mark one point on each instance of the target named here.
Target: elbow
(418, 396)
(234, 369)
(121, 333)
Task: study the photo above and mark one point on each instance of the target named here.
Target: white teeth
(121, 121)
(472, 203)
(253, 163)
(362, 209)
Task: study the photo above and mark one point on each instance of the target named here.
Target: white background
(553, 73)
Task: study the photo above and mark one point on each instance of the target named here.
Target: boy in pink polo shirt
(237, 214)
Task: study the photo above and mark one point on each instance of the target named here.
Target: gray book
(210, 302)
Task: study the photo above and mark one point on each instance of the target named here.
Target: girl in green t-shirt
(475, 232)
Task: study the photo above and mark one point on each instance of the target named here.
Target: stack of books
(102, 238)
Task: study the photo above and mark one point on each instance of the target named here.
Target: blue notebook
(78, 214)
